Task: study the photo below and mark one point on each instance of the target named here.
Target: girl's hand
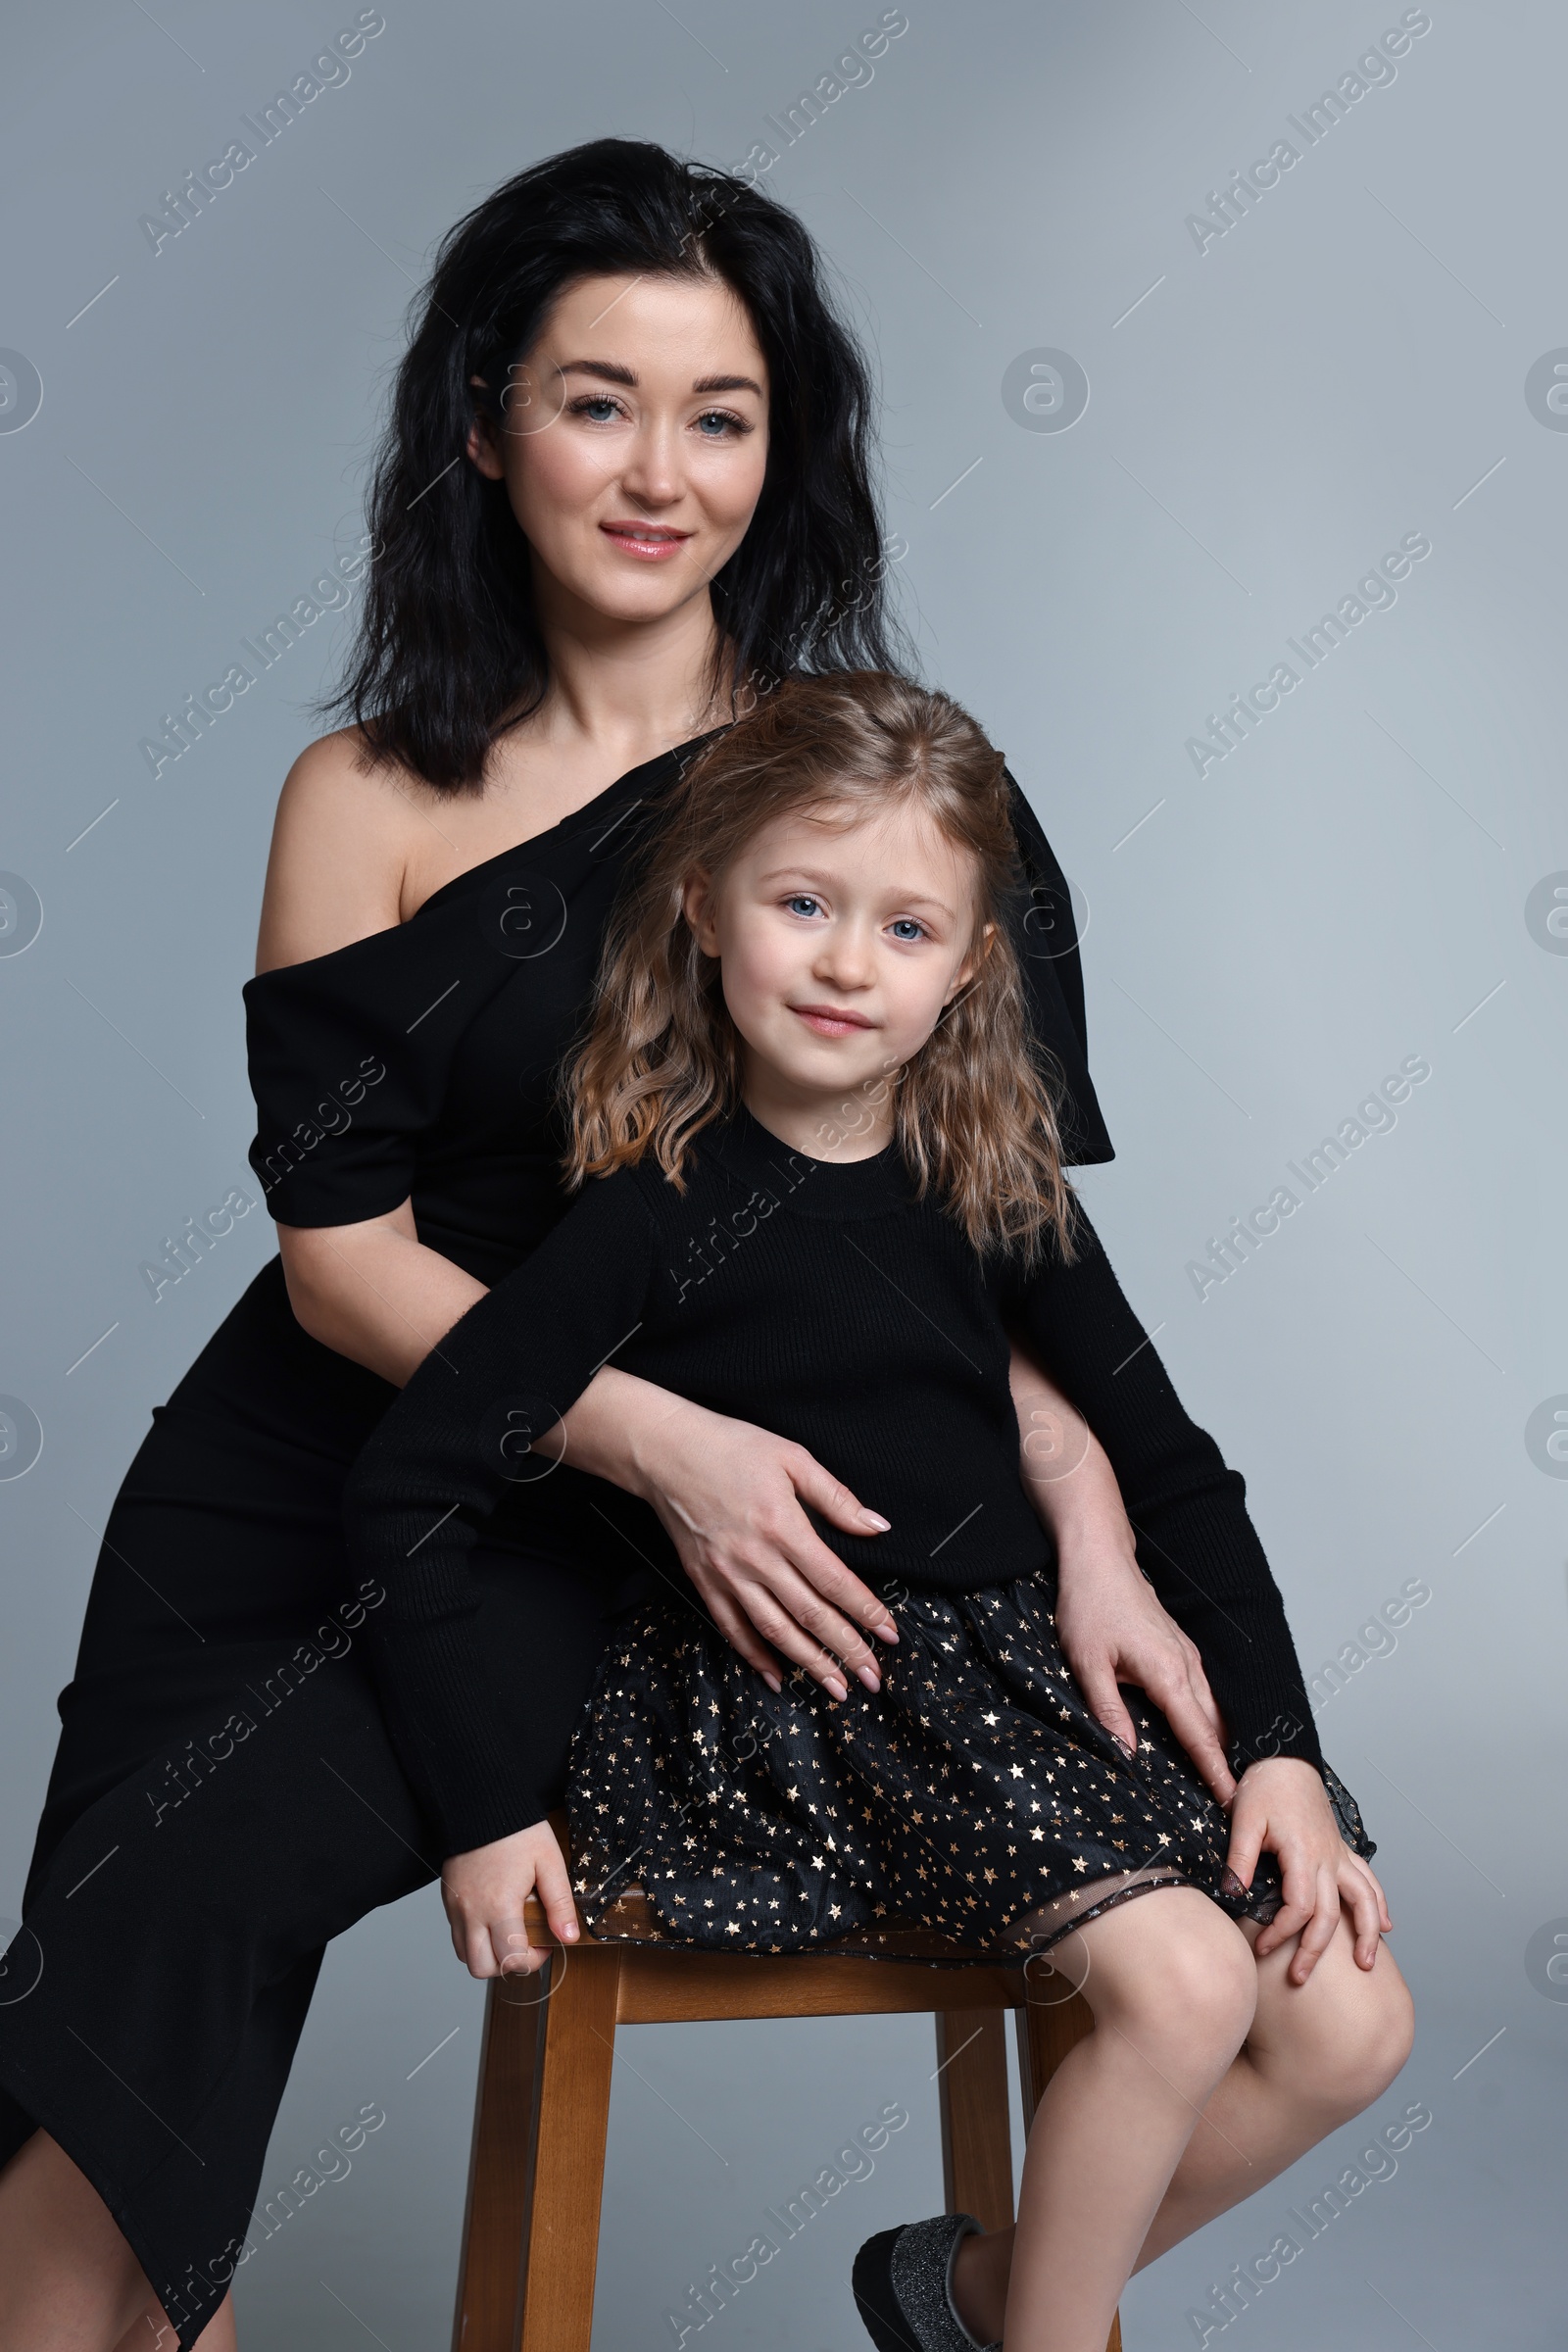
(1110, 1622)
(730, 1496)
(484, 1892)
(1281, 1806)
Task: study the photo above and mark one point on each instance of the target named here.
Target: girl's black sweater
(830, 1305)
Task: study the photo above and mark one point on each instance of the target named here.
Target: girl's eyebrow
(816, 881)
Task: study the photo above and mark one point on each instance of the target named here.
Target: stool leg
(500, 2168)
(572, 2105)
(1047, 2031)
(976, 2134)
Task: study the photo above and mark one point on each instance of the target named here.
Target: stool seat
(530, 2238)
(632, 1918)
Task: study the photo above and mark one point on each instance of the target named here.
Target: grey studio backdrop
(1147, 425)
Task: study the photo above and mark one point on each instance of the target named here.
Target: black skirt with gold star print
(974, 1796)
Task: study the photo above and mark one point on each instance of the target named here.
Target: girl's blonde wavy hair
(973, 1110)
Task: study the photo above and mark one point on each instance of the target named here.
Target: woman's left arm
(1110, 1621)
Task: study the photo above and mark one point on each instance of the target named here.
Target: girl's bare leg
(1172, 1987)
(69, 2282)
(1315, 2056)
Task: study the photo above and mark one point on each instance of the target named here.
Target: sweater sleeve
(457, 1439)
(1195, 1542)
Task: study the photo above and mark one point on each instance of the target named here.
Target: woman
(626, 483)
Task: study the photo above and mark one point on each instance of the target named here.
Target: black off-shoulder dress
(225, 1797)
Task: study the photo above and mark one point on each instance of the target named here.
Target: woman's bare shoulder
(340, 848)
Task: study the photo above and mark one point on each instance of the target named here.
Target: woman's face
(633, 443)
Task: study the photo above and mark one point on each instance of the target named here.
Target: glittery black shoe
(902, 2281)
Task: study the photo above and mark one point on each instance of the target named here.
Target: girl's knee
(1342, 2039)
(1173, 1963)
(1372, 2038)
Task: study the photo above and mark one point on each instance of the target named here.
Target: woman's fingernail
(888, 1630)
(773, 1682)
(1230, 1883)
(869, 1677)
(834, 1687)
(883, 1526)
(568, 1934)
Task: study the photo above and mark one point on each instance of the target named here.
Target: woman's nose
(651, 474)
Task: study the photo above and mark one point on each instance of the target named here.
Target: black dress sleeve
(349, 1061)
(1195, 1542)
(1046, 938)
(455, 1441)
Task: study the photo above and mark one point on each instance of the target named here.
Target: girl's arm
(1110, 1621)
(1189, 1514)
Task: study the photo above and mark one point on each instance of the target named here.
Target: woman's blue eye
(906, 927)
(715, 423)
(598, 408)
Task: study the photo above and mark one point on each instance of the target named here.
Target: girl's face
(841, 944)
(633, 444)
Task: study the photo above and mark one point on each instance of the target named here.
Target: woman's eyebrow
(611, 371)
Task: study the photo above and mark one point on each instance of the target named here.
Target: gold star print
(1016, 1771)
(1039, 1837)
(1079, 1863)
(991, 1878)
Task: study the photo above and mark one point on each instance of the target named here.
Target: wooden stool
(530, 2234)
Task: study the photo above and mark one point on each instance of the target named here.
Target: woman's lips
(650, 543)
(828, 1020)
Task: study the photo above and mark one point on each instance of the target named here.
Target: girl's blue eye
(802, 904)
(906, 927)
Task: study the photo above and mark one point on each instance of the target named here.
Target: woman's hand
(1282, 1807)
(1110, 1622)
(485, 1889)
(730, 1496)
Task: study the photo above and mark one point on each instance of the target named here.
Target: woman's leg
(69, 2282)
(1316, 2055)
(1172, 1987)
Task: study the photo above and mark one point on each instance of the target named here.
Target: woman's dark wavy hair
(449, 649)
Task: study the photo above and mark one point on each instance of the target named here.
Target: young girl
(820, 1186)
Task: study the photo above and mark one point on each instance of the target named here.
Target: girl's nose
(845, 957)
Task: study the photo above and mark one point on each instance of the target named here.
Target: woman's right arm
(337, 873)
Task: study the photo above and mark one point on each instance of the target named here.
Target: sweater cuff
(1282, 1726)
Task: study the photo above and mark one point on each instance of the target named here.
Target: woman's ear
(970, 965)
(482, 447)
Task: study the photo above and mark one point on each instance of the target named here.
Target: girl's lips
(829, 1021)
(649, 544)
